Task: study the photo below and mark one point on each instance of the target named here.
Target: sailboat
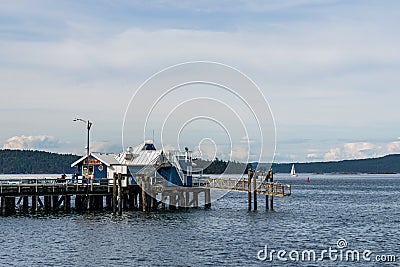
(293, 172)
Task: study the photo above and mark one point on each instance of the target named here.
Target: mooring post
(114, 198)
(249, 176)
(120, 198)
(271, 177)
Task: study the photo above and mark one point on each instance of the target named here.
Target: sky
(329, 72)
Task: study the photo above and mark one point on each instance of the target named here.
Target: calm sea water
(362, 209)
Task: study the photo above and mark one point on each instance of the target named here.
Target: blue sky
(329, 69)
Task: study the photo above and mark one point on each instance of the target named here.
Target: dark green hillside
(35, 162)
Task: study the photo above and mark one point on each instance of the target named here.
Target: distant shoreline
(41, 162)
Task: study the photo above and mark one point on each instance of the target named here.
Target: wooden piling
(255, 191)
(108, 202)
(67, 203)
(120, 198)
(8, 207)
(2, 205)
(163, 200)
(271, 177)
(55, 203)
(195, 200)
(187, 199)
(172, 201)
(47, 203)
(25, 203)
(249, 176)
(154, 205)
(207, 198)
(140, 197)
(114, 198)
(131, 201)
(267, 191)
(144, 195)
(34, 203)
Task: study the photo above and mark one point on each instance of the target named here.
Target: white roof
(139, 157)
(106, 158)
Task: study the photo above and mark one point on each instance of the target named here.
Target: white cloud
(393, 147)
(333, 154)
(32, 142)
(105, 147)
(312, 156)
(356, 150)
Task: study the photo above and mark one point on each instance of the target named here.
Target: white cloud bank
(31, 142)
(359, 150)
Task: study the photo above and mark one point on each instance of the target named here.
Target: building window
(85, 170)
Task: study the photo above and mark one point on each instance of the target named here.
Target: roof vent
(128, 153)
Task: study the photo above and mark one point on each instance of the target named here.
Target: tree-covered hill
(386, 164)
(35, 162)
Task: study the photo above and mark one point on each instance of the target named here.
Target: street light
(88, 126)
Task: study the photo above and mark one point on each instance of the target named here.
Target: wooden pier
(64, 194)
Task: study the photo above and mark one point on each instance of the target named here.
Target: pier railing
(36, 185)
(262, 187)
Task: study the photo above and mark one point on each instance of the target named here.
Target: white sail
(293, 171)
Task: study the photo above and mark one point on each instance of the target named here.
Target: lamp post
(88, 126)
